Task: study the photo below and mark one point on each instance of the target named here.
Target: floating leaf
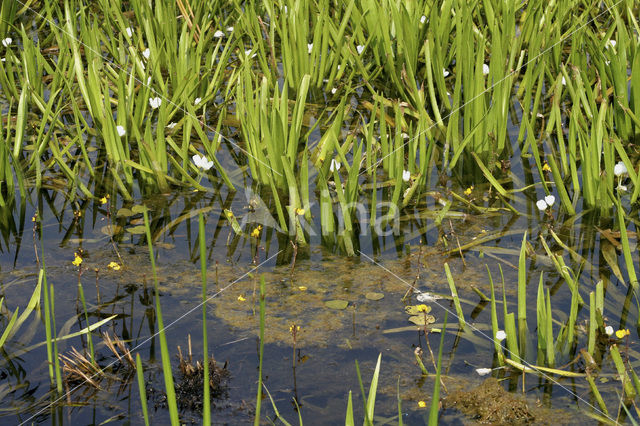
(417, 309)
(166, 246)
(139, 208)
(422, 320)
(374, 296)
(111, 229)
(337, 304)
(136, 230)
(124, 212)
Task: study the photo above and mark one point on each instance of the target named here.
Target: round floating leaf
(136, 230)
(422, 319)
(336, 304)
(111, 229)
(139, 208)
(417, 309)
(124, 212)
(374, 296)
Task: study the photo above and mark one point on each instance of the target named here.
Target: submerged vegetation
(358, 126)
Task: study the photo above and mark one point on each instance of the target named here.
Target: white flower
(404, 135)
(422, 19)
(619, 169)
(610, 43)
(230, 29)
(129, 31)
(360, 49)
(427, 297)
(197, 101)
(483, 371)
(622, 188)
(607, 62)
(564, 82)
(609, 330)
(6, 42)
(445, 72)
(485, 69)
(334, 165)
(309, 47)
(202, 162)
(542, 205)
(171, 125)
(248, 52)
(155, 102)
(121, 131)
(218, 34)
(146, 53)
(406, 175)
(501, 335)
(285, 9)
(333, 90)
(148, 80)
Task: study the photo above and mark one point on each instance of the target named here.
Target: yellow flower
(423, 308)
(229, 213)
(34, 217)
(77, 260)
(241, 298)
(256, 232)
(622, 333)
(293, 328)
(546, 168)
(302, 288)
(422, 404)
(299, 212)
(113, 265)
(104, 199)
(467, 191)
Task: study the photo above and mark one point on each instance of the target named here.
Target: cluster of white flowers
(7, 41)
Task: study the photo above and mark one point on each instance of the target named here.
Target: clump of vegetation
(490, 403)
(190, 384)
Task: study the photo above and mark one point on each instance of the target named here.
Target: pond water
(320, 370)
